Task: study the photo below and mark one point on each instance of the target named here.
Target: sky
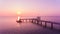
(30, 7)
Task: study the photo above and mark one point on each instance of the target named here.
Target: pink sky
(30, 7)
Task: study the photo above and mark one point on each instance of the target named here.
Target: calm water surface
(8, 25)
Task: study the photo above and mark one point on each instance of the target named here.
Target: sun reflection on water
(18, 18)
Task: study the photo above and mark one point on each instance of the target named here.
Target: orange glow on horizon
(18, 13)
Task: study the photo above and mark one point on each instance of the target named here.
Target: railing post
(45, 24)
(37, 22)
(51, 25)
(32, 20)
(41, 23)
(26, 20)
(29, 20)
(23, 20)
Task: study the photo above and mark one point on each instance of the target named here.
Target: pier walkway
(40, 22)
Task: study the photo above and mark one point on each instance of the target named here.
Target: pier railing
(36, 21)
(52, 23)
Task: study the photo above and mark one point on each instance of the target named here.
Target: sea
(8, 25)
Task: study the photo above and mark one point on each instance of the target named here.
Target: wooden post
(26, 20)
(29, 20)
(45, 24)
(23, 20)
(51, 25)
(41, 23)
(32, 20)
(37, 22)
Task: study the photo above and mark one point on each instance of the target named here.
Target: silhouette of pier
(39, 22)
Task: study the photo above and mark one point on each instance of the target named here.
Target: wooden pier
(37, 21)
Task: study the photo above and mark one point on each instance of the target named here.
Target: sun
(18, 12)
